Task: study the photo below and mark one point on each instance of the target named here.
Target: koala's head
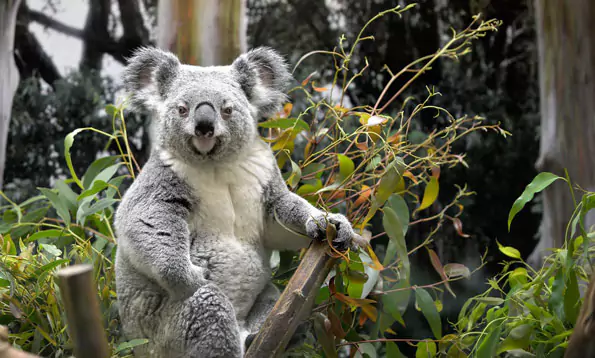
(206, 113)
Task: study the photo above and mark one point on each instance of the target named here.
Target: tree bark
(566, 42)
(95, 25)
(9, 71)
(203, 32)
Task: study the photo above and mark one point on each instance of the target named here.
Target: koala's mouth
(203, 145)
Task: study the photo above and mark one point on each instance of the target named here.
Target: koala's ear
(264, 77)
(149, 75)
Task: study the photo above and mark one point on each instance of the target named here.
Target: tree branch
(135, 32)
(30, 56)
(295, 303)
(106, 45)
(95, 25)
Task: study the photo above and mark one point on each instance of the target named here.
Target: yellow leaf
(430, 194)
(509, 251)
(410, 175)
(287, 109)
(376, 265)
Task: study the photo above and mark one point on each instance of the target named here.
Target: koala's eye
(227, 111)
(182, 110)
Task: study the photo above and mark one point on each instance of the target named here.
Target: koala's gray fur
(196, 228)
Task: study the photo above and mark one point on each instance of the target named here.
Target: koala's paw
(346, 237)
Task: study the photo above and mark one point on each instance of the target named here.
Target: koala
(197, 227)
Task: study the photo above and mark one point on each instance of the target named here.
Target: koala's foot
(346, 237)
(209, 325)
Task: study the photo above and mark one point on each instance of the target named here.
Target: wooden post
(79, 295)
(295, 303)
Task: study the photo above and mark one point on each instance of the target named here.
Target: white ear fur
(148, 77)
(263, 75)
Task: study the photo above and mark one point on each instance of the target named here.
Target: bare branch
(106, 45)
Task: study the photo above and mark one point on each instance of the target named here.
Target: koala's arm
(298, 214)
(154, 235)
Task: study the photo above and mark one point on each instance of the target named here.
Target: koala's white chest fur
(227, 226)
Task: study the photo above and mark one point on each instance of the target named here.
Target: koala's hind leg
(203, 325)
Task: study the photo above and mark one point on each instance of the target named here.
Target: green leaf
(131, 344)
(539, 183)
(518, 338)
(296, 174)
(346, 166)
(312, 168)
(571, 298)
(86, 209)
(487, 348)
(106, 174)
(509, 251)
(389, 181)
(52, 265)
(111, 110)
(556, 301)
(373, 163)
(285, 123)
(392, 350)
(493, 301)
(113, 184)
(67, 145)
(394, 230)
(53, 233)
(428, 308)
(96, 167)
(58, 203)
(430, 194)
(51, 249)
(396, 302)
(98, 185)
(64, 191)
(398, 204)
(425, 349)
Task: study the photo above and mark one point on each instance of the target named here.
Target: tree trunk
(203, 32)
(9, 71)
(96, 25)
(565, 35)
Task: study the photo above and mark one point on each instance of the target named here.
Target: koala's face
(207, 113)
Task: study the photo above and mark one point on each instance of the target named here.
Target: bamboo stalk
(295, 303)
(79, 295)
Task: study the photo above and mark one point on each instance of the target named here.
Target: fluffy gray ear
(149, 75)
(264, 77)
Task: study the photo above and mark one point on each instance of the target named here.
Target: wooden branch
(6, 349)
(79, 295)
(295, 303)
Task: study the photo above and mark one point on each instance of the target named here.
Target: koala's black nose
(205, 117)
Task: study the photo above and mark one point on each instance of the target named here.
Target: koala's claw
(316, 229)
